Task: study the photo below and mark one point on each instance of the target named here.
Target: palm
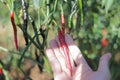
(81, 71)
(90, 75)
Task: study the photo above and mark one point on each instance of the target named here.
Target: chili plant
(84, 20)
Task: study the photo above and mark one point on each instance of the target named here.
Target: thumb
(104, 63)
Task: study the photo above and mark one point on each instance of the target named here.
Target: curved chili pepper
(14, 29)
(61, 36)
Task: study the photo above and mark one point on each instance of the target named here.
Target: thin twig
(35, 31)
(25, 14)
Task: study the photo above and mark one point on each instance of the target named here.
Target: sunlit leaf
(108, 5)
(103, 2)
(38, 3)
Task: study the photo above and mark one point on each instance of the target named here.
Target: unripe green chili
(14, 29)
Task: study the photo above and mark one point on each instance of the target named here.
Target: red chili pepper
(14, 29)
(1, 72)
(2, 76)
(61, 35)
(104, 42)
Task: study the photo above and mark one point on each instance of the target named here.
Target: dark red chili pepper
(1, 72)
(2, 76)
(14, 29)
(61, 35)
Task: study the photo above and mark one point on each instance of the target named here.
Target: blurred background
(93, 24)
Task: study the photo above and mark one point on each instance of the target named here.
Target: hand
(81, 70)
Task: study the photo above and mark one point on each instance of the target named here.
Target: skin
(80, 68)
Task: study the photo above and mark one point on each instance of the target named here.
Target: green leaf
(115, 46)
(38, 3)
(65, 0)
(108, 4)
(47, 65)
(119, 33)
(103, 2)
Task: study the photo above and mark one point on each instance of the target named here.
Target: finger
(104, 63)
(58, 54)
(71, 60)
(74, 51)
(81, 71)
(78, 73)
(55, 65)
(62, 76)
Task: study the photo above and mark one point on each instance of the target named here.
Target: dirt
(36, 75)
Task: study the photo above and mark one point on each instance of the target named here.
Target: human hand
(81, 70)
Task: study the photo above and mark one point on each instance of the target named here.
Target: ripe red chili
(61, 35)
(1, 72)
(14, 29)
(2, 76)
(104, 42)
